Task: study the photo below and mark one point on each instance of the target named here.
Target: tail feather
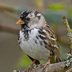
(58, 55)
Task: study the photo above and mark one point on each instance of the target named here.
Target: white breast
(35, 50)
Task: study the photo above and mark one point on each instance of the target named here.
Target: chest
(33, 45)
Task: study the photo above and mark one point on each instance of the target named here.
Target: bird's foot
(31, 66)
(38, 66)
(48, 63)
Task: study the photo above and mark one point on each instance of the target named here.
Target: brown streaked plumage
(36, 38)
(52, 45)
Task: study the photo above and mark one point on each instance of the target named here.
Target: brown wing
(51, 42)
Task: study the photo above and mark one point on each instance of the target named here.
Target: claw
(47, 64)
(27, 70)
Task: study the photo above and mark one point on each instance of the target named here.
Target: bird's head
(31, 19)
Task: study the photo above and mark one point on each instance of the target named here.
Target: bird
(37, 39)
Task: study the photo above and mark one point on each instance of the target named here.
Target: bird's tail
(58, 55)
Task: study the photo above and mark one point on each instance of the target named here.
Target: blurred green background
(11, 56)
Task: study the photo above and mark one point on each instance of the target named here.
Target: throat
(24, 27)
(25, 30)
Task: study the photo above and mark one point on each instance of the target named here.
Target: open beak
(20, 22)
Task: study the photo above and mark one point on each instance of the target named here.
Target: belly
(34, 47)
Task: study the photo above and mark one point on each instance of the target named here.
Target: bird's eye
(22, 18)
(27, 19)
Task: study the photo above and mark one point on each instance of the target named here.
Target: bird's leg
(30, 67)
(47, 63)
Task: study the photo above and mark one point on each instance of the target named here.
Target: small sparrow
(36, 38)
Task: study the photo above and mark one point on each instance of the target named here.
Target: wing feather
(51, 42)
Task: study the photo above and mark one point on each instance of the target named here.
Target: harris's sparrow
(36, 38)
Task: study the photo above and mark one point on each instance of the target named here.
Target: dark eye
(27, 19)
(22, 18)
